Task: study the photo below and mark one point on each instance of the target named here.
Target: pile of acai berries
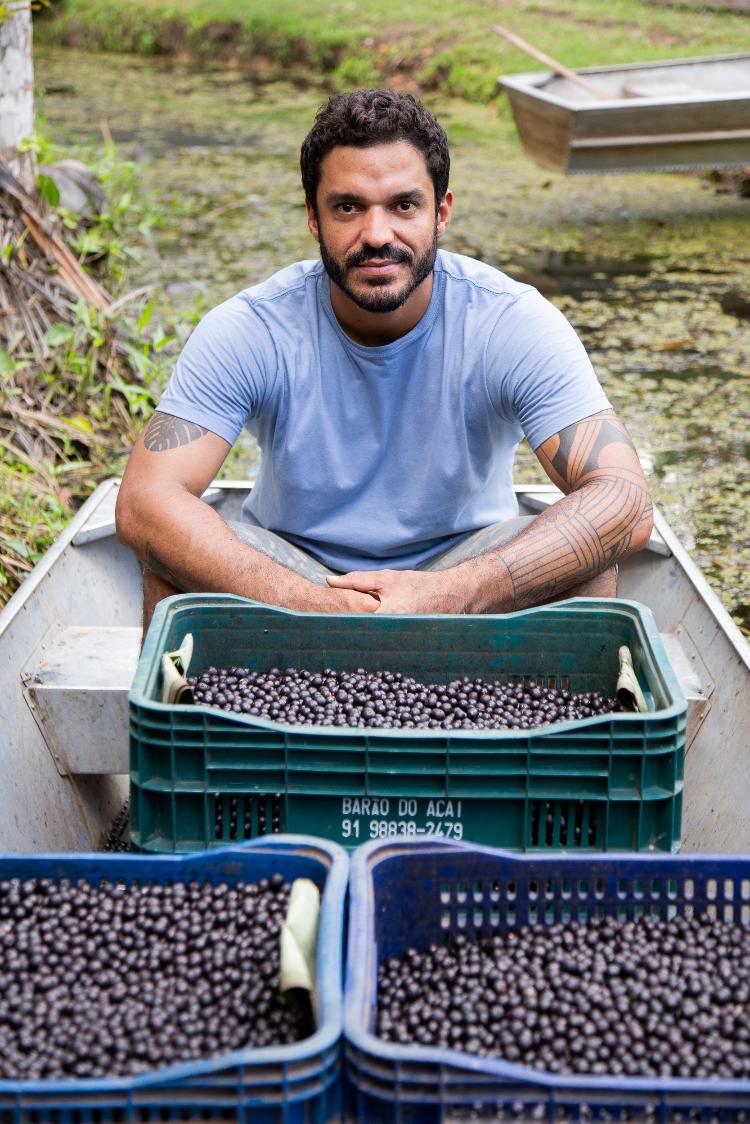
(605, 997)
(110, 980)
(387, 699)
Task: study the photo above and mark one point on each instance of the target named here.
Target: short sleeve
(538, 372)
(224, 372)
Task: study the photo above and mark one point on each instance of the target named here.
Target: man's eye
(406, 205)
(346, 208)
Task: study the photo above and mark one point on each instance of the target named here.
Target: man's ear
(312, 221)
(445, 209)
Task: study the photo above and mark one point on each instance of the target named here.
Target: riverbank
(427, 47)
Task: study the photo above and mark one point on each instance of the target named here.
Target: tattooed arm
(184, 544)
(605, 515)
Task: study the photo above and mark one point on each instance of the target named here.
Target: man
(388, 386)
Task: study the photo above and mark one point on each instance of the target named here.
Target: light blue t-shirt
(375, 456)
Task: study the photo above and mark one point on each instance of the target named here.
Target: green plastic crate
(203, 778)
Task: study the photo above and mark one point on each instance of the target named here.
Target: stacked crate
(201, 777)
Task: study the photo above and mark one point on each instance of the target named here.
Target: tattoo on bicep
(165, 431)
(587, 447)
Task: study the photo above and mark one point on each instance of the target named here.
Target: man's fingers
(370, 603)
(361, 580)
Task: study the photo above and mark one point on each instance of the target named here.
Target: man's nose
(377, 229)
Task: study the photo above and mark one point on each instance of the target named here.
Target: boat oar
(553, 64)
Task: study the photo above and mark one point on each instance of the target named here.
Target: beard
(379, 294)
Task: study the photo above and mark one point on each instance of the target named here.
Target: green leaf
(145, 316)
(48, 189)
(78, 422)
(162, 340)
(18, 547)
(59, 333)
(7, 366)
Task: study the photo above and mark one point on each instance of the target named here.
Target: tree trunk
(17, 92)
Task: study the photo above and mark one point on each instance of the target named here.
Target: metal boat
(69, 644)
(658, 116)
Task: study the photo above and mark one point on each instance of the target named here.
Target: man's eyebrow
(334, 197)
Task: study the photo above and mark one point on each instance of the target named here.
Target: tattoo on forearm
(164, 431)
(594, 525)
(591, 530)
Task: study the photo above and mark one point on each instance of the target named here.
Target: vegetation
(346, 43)
(76, 381)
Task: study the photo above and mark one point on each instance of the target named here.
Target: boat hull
(564, 128)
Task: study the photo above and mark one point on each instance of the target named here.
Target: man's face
(376, 222)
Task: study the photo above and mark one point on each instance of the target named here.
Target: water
(638, 263)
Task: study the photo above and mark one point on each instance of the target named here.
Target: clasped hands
(403, 591)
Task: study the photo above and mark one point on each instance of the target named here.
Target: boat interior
(679, 79)
(71, 639)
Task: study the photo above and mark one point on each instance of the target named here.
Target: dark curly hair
(367, 117)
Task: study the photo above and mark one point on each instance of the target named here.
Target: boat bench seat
(78, 681)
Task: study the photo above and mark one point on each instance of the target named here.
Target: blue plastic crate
(413, 893)
(290, 1084)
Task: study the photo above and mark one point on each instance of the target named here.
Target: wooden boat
(69, 642)
(660, 116)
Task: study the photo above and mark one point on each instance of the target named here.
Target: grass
(348, 44)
